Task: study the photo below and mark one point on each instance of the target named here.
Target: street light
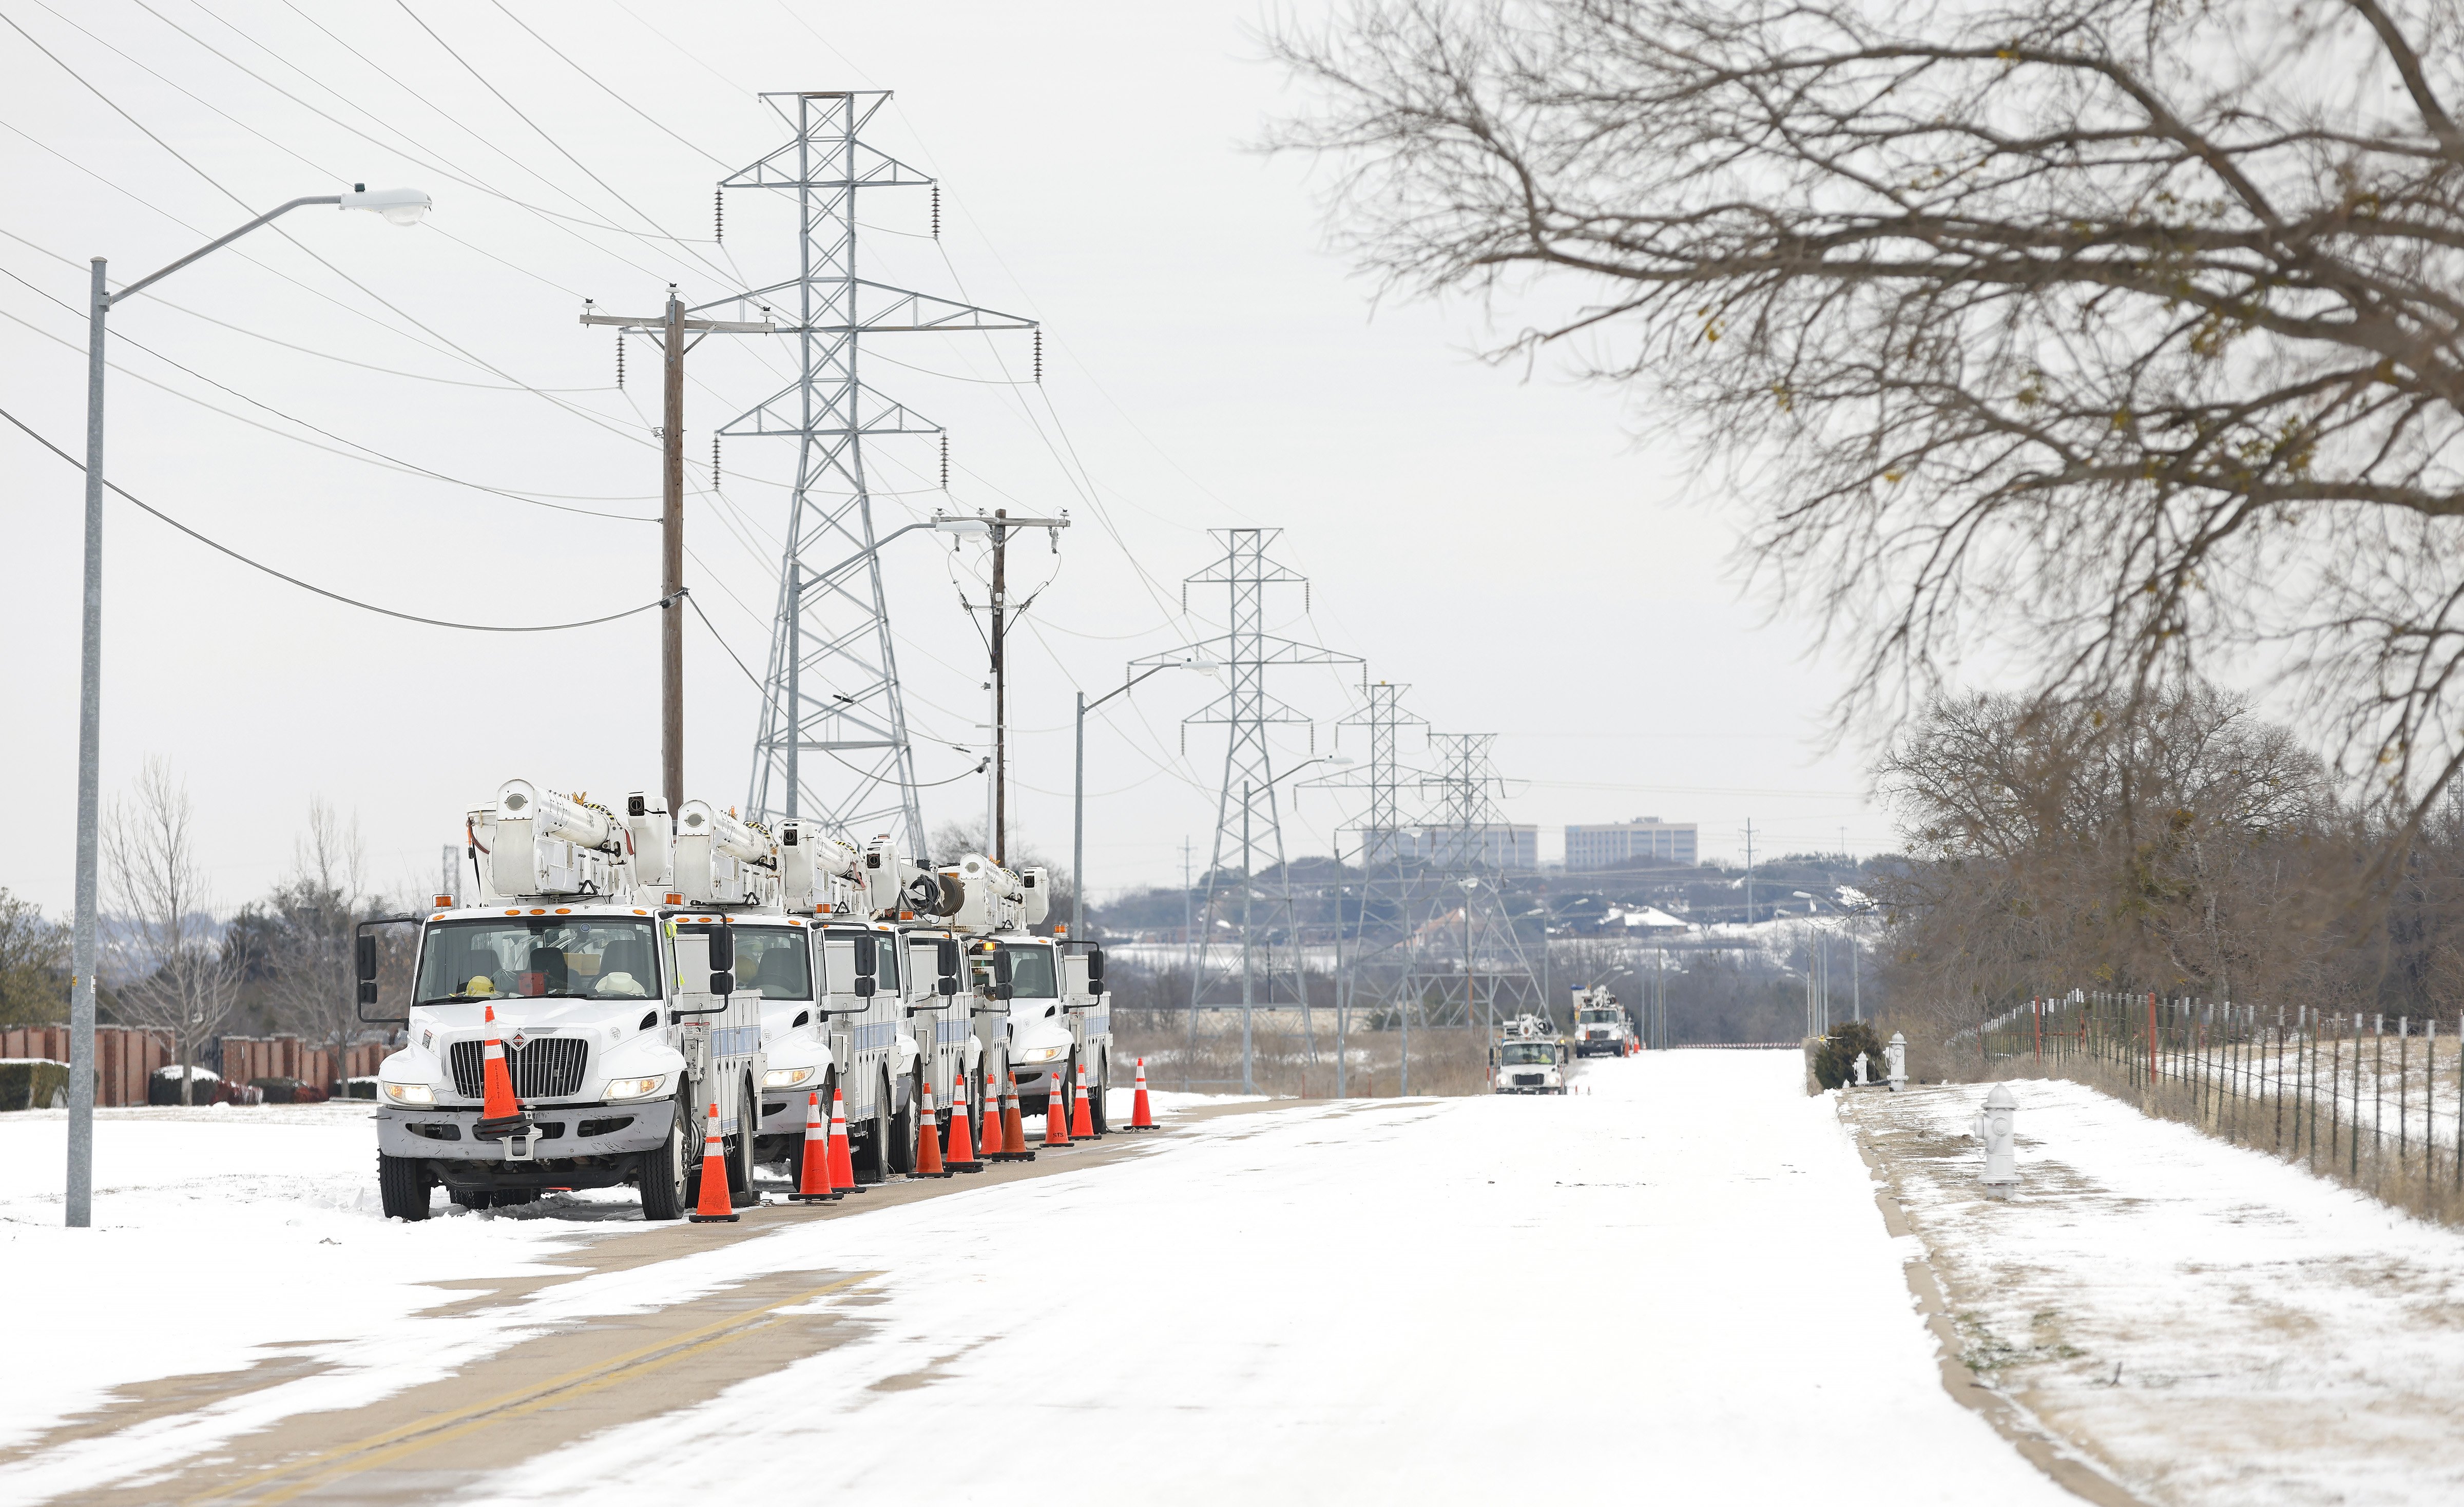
(404, 207)
(1078, 798)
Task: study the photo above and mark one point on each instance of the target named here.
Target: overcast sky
(1494, 538)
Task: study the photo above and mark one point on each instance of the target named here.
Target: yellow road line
(410, 1438)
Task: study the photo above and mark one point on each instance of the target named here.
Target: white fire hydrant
(1997, 1127)
(1862, 1082)
(1895, 1062)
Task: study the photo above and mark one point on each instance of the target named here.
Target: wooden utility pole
(669, 328)
(1002, 525)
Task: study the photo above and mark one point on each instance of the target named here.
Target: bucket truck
(598, 945)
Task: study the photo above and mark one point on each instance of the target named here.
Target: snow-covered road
(1675, 1288)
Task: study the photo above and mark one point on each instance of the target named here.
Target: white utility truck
(614, 995)
(1601, 1028)
(1041, 1011)
(1527, 1058)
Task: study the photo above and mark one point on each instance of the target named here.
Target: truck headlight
(410, 1093)
(1042, 1054)
(635, 1087)
(788, 1076)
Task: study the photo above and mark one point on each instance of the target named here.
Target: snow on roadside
(220, 1234)
(2217, 1326)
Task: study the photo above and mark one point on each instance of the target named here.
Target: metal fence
(2375, 1100)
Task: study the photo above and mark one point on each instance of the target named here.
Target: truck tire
(902, 1134)
(739, 1151)
(666, 1193)
(473, 1199)
(1098, 1095)
(873, 1165)
(402, 1184)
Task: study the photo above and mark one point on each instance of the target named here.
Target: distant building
(1612, 844)
(1497, 844)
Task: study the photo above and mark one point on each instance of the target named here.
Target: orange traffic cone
(1082, 1124)
(500, 1113)
(962, 1134)
(1141, 1116)
(928, 1137)
(714, 1206)
(814, 1186)
(842, 1160)
(1056, 1112)
(1014, 1146)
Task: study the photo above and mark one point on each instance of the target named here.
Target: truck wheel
(739, 1155)
(664, 1191)
(902, 1134)
(472, 1198)
(873, 1167)
(402, 1184)
(1098, 1095)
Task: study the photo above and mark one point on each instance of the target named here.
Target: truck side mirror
(1002, 973)
(365, 955)
(367, 951)
(868, 965)
(1094, 970)
(946, 964)
(722, 981)
(723, 952)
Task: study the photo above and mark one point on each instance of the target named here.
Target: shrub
(1835, 1063)
(33, 1083)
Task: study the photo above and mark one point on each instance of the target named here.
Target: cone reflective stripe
(1142, 1115)
(842, 1160)
(928, 1136)
(1082, 1124)
(814, 1186)
(500, 1113)
(1014, 1146)
(1056, 1111)
(714, 1206)
(961, 1157)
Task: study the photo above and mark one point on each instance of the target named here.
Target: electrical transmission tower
(1382, 920)
(832, 686)
(1468, 967)
(1248, 826)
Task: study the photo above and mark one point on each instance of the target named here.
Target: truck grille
(1522, 1080)
(547, 1068)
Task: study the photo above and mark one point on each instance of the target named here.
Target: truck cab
(1059, 1017)
(616, 1005)
(1528, 1067)
(1602, 1027)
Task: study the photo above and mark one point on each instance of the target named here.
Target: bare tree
(175, 975)
(304, 932)
(2099, 335)
(34, 964)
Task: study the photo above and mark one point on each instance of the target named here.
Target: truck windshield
(1031, 972)
(773, 964)
(557, 957)
(1599, 1018)
(1528, 1054)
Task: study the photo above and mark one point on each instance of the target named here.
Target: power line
(331, 596)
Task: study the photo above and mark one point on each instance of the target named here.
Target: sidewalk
(2213, 1326)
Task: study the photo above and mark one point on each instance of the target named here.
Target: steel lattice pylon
(1467, 898)
(1248, 824)
(832, 626)
(1372, 962)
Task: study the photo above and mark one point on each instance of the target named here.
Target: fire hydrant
(1895, 1062)
(1997, 1127)
(1861, 1079)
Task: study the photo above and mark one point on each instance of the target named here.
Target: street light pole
(400, 207)
(1078, 796)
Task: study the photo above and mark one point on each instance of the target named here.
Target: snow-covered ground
(2217, 1326)
(1680, 1279)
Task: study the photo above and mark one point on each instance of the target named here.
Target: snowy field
(1375, 1300)
(2220, 1328)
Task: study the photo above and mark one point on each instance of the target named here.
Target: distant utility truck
(1601, 1028)
(1528, 1057)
